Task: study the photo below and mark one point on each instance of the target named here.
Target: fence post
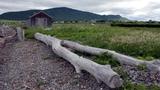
(20, 34)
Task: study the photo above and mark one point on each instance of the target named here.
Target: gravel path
(31, 65)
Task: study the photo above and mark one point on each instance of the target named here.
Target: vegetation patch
(11, 23)
(106, 59)
(137, 41)
(136, 24)
(142, 67)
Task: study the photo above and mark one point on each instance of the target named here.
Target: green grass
(11, 23)
(130, 86)
(137, 41)
(106, 59)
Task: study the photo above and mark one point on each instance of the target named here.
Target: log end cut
(116, 81)
(109, 77)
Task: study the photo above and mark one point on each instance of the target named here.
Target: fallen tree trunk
(123, 59)
(100, 72)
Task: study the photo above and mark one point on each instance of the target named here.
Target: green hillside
(61, 14)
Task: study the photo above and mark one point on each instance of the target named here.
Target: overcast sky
(132, 9)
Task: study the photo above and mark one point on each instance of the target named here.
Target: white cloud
(132, 9)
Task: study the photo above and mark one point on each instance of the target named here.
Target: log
(123, 59)
(102, 73)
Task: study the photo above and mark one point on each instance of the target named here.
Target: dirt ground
(31, 65)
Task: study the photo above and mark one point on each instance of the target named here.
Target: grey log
(123, 59)
(100, 72)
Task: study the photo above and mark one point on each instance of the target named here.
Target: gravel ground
(146, 77)
(31, 65)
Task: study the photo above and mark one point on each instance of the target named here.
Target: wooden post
(20, 34)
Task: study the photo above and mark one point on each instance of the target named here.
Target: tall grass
(11, 23)
(139, 42)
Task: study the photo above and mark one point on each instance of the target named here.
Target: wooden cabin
(40, 19)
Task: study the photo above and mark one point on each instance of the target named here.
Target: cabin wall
(34, 22)
(40, 20)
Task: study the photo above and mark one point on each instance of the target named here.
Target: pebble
(142, 76)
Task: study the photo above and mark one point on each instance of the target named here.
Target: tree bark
(100, 72)
(123, 59)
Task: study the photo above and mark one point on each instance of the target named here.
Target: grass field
(10, 23)
(140, 42)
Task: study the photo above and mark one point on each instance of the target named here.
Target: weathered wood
(100, 72)
(40, 19)
(20, 34)
(123, 59)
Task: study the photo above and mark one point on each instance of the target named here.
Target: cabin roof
(41, 12)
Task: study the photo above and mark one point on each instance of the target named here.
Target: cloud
(132, 9)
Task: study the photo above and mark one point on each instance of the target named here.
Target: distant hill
(61, 14)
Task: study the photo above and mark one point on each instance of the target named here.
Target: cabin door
(41, 22)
